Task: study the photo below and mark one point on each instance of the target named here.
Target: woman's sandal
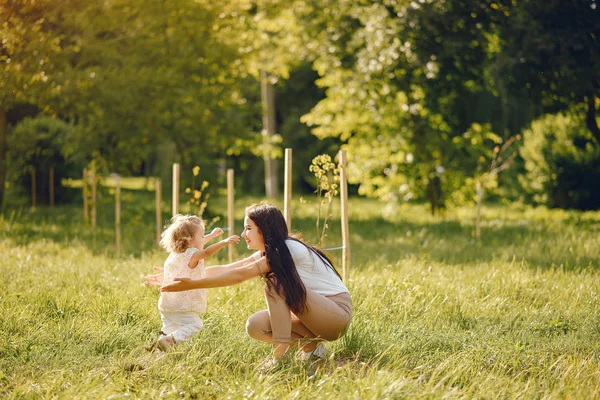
(318, 353)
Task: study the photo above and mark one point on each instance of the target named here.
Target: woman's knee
(258, 325)
(334, 335)
(331, 332)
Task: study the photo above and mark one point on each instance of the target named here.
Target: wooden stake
(230, 210)
(86, 214)
(287, 189)
(51, 187)
(344, 217)
(93, 211)
(158, 210)
(118, 214)
(33, 193)
(175, 188)
(478, 218)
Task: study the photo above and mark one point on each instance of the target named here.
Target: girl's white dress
(179, 310)
(176, 266)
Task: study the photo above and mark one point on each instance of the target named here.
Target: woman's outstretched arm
(219, 269)
(228, 278)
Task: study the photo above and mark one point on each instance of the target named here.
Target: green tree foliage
(552, 48)
(295, 97)
(156, 74)
(31, 54)
(38, 143)
(419, 92)
(406, 81)
(562, 162)
(397, 74)
(142, 81)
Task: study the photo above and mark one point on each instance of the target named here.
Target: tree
(406, 80)
(552, 48)
(562, 164)
(267, 34)
(396, 74)
(158, 75)
(135, 79)
(38, 143)
(30, 56)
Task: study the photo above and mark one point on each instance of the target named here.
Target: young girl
(184, 240)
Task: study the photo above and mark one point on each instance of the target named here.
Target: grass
(438, 314)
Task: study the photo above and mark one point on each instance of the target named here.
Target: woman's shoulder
(295, 245)
(299, 251)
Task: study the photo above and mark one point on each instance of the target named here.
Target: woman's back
(314, 271)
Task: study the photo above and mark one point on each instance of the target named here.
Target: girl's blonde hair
(178, 236)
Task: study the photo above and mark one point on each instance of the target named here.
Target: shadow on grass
(539, 244)
(570, 243)
(65, 225)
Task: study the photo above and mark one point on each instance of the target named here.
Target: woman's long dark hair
(283, 277)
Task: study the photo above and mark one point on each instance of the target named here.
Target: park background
(447, 110)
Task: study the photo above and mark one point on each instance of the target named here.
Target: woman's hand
(154, 280)
(179, 285)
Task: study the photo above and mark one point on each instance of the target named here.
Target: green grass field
(438, 314)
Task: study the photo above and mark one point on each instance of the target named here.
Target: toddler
(184, 240)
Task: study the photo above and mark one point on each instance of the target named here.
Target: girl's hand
(233, 239)
(215, 232)
(154, 280)
(179, 285)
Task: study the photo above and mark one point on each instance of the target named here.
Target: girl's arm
(215, 232)
(210, 250)
(227, 278)
(155, 280)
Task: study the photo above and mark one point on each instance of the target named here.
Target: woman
(306, 298)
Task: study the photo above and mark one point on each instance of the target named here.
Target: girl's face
(198, 239)
(252, 235)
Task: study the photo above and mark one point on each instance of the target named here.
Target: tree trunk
(3, 164)
(268, 108)
(590, 118)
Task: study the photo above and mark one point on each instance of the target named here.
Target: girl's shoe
(154, 344)
(319, 353)
(166, 342)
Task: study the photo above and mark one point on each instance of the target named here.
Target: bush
(39, 142)
(562, 163)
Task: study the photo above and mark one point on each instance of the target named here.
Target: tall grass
(438, 314)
